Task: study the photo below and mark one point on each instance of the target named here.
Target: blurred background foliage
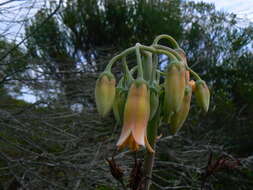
(59, 141)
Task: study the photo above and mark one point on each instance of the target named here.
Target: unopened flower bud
(202, 95)
(119, 105)
(192, 84)
(174, 88)
(179, 117)
(105, 93)
(154, 102)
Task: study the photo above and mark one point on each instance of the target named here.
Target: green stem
(147, 65)
(155, 63)
(160, 72)
(138, 56)
(150, 157)
(170, 50)
(158, 76)
(172, 54)
(195, 75)
(126, 69)
(119, 56)
(165, 36)
(159, 51)
(133, 69)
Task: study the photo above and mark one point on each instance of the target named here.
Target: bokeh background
(51, 53)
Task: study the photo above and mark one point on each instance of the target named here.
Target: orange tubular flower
(192, 84)
(136, 117)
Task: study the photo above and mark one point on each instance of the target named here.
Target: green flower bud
(105, 93)
(119, 105)
(154, 102)
(202, 95)
(178, 119)
(174, 88)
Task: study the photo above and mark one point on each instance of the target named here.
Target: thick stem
(119, 56)
(126, 69)
(169, 38)
(147, 64)
(159, 51)
(195, 75)
(150, 157)
(176, 54)
(139, 62)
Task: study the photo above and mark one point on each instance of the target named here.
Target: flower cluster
(146, 94)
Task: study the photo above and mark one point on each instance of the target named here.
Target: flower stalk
(146, 96)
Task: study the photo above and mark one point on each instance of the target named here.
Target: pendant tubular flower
(202, 95)
(179, 117)
(105, 93)
(136, 117)
(174, 88)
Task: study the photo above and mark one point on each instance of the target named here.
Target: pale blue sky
(11, 18)
(243, 8)
(11, 15)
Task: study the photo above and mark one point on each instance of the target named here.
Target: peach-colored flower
(136, 117)
(192, 84)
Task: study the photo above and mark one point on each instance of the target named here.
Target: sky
(12, 17)
(242, 8)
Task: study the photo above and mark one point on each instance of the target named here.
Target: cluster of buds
(153, 94)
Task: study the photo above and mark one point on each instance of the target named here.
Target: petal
(132, 144)
(148, 146)
(125, 133)
(139, 133)
(142, 112)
